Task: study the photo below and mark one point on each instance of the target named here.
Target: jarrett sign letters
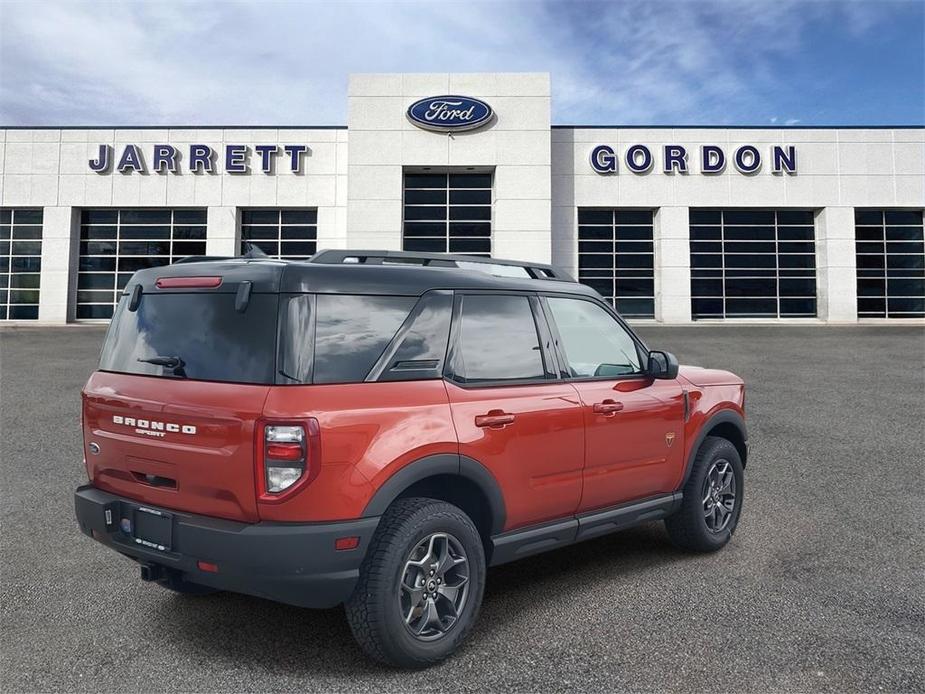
(198, 158)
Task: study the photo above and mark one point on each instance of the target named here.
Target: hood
(709, 377)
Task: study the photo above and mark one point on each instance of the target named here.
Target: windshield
(199, 336)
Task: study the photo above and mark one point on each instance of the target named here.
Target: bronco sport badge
(150, 427)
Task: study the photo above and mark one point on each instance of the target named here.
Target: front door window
(594, 344)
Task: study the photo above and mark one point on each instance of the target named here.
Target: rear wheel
(712, 501)
(420, 585)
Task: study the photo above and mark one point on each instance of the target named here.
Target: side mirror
(663, 365)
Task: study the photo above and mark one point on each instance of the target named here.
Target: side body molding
(729, 417)
(441, 464)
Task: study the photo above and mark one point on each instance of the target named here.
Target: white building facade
(673, 224)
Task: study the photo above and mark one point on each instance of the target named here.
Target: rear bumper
(287, 562)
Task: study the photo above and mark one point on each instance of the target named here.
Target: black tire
(375, 610)
(690, 528)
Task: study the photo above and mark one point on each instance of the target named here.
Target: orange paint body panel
(369, 431)
(636, 451)
(537, 459)
(209, 472)
(710, 391)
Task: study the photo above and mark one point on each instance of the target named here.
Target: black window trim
(282, 323)
(641, 349)
(379, 369)
(543, 334)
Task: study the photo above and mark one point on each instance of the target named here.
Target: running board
(534, 539)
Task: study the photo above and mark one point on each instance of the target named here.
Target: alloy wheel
(719, 495)
(434, 586)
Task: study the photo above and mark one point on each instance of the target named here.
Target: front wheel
(712, 499)
(420, 585)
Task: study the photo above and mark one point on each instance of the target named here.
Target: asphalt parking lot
(821, 589)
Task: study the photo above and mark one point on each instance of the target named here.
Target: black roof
(366, 272)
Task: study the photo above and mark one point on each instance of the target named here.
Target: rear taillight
(288, 456)
(284, 457)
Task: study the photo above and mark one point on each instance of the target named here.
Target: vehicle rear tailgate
(174, 443)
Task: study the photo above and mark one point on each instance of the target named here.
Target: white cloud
(287, 63)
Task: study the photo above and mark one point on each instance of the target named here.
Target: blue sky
(735, 62)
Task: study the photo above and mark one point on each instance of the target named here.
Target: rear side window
(420, 346)
(498, 340)
(351, 332)
(198, 336)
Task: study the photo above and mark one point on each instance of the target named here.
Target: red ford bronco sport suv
(377, 428)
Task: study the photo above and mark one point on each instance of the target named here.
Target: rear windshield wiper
(174, 363)
(169, 362)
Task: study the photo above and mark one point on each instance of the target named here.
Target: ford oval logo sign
(449, 113)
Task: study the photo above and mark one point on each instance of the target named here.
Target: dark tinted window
(422, 345)
(447, 213)
(214, 342)
(742, 262)
(616, 257)
(351, 333)
(20, 263)
(281, 233)
(890, 260)
(116, 243)
(497, 340)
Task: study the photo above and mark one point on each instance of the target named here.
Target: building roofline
(738, 127)
(553, 127)
(173, 127)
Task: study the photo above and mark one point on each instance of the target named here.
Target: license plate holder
(152, 528)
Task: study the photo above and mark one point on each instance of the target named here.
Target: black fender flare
(722, 417)
(441, 464)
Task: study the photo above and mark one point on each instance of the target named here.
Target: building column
(672, 265)
(836, 265)
(59, 247)
(565, 238)
(222, 231)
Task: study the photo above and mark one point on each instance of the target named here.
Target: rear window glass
(198, 336)
(351, 332)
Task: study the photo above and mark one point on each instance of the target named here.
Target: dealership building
(673, 224)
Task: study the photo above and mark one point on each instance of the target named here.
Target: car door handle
(495, 419)
(608, 408)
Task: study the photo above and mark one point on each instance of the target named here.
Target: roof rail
(537, 271)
